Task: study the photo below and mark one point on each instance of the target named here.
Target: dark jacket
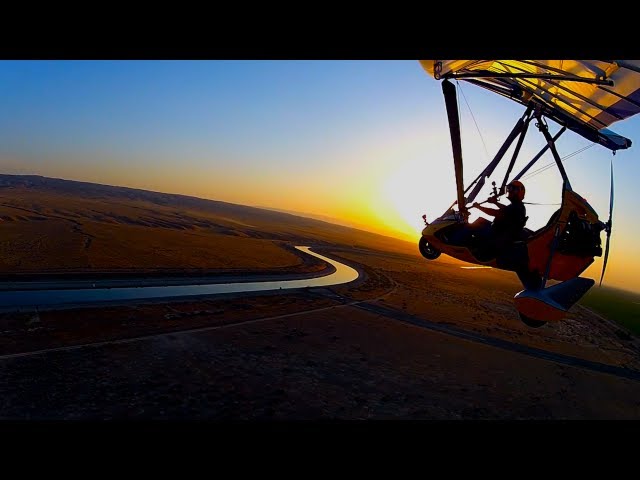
(510, 221)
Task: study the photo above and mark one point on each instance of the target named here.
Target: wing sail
(586, 96)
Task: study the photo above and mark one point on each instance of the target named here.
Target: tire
(427, 250)
(530, 322)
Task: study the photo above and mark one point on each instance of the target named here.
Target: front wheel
(427, 250)
(530, 322)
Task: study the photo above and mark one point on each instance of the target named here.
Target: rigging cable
(486, 152)
(530, 174)
(549, 165)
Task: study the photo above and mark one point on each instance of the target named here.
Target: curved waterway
(18, 299)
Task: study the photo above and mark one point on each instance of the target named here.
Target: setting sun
(412, 191)
(243, 240)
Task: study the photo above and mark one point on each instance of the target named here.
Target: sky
(364, 142)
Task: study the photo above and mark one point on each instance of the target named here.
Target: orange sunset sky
(364, 142)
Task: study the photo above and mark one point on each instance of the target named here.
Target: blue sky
(363, 141)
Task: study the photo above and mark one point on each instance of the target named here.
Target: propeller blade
(606, 257)
(608, 228)
(611, 195)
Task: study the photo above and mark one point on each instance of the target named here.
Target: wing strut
(486, 173)
(517, 149)
(542, 126)
(450, 99)
(537, 157)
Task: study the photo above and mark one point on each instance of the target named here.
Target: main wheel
(427, 250)
(530, 322)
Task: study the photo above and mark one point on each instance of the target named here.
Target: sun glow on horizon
(366, 143)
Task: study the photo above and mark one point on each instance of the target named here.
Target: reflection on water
(11, 300)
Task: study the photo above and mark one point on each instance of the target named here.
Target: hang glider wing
(586, 96)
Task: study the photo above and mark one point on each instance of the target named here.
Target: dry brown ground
(74, 241)
(307, 356)
(482, 301)
(48, 231)
(294, 356)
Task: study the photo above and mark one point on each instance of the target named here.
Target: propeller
(607, 227)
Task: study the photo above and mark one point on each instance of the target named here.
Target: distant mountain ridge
(328, 219)
(96, 191)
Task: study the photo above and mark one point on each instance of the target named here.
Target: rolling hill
(56, 225)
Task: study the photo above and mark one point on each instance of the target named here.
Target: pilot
(509, 220)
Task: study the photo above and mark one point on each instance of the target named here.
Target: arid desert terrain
(411, 339)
